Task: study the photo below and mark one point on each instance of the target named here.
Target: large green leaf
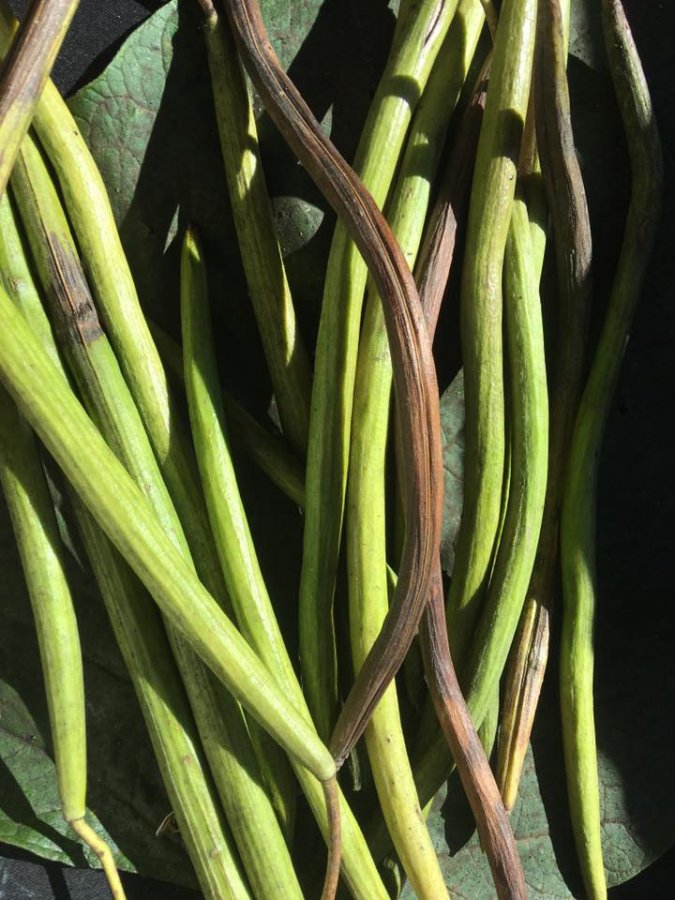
(31, 816)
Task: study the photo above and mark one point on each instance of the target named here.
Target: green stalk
(249, 593)
(268, 451)
(37, 535)
(260, 251)
(366, 514)
(529, 437)
(420, 30)
(219, 719)
(578, 521)
(529, 467)
(368, 605)
(25, 72)
(481, 316)
(142, 640)
(573, 246)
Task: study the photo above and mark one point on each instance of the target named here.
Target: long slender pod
(457, 726)
(260, 252)
(221, 725)
(481, 316)
(38, 540)
(269, 451)
(572, 239)
(432, 271)
(480, 321)
(578, 520)
(365, 511)
(515, 558)
(241, 569)
(143, 643)
(25, 72)
(472, 763)
(142, 640)
(248, 591)
(528, 401)
(368, 600)
(420, 29)
(414, 373)
(435, 260)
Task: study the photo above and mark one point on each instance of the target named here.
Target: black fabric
(24, 877)
(98, 28)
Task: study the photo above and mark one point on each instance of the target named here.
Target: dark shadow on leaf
(16, 805)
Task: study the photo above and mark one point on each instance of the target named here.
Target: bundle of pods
(236, 723)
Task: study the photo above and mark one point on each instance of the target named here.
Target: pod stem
(102, 850)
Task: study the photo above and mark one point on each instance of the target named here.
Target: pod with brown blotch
(142, 640)
(578, 520)
(223, 730)
(103, 258)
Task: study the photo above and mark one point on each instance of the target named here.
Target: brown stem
(414, 373)
(331, 794)
(25, 72)
(436, 253)
(472, 764)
